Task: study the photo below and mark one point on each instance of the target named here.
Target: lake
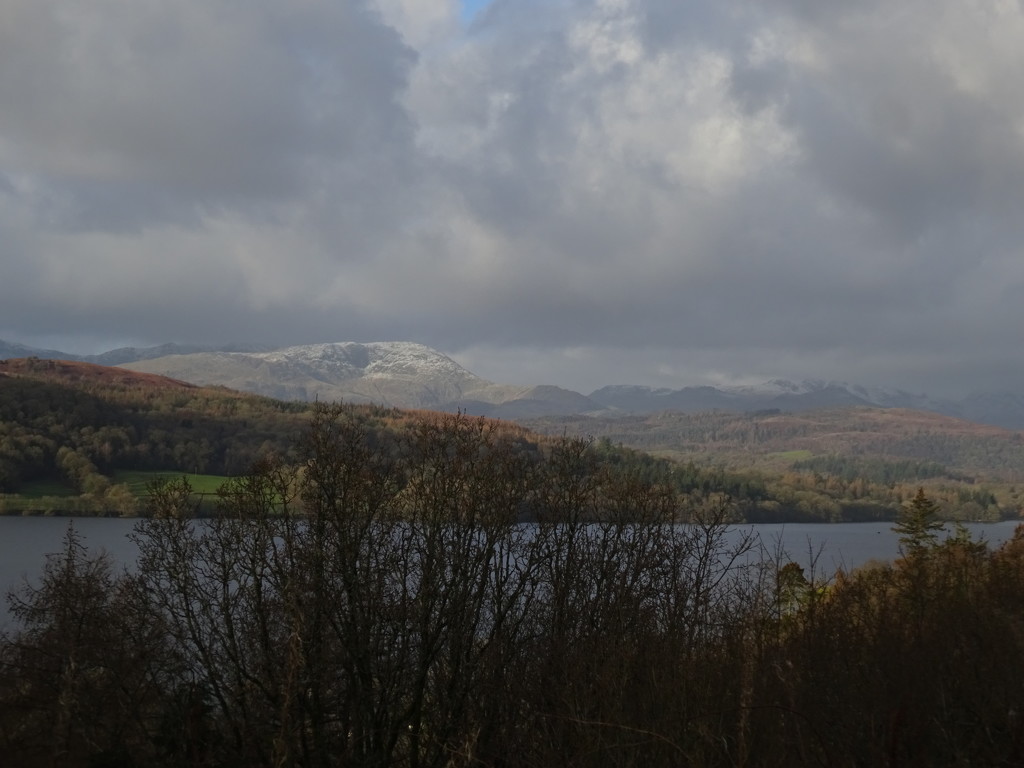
(25, 542)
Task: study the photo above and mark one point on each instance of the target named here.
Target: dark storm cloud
(577, 190)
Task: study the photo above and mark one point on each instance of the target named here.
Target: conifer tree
(918, 525)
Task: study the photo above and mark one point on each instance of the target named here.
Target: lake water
(26, 541)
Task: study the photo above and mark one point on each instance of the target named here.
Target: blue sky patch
(470, 8)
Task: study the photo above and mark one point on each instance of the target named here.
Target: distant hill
(78, 425)
(408, 375)
(778, 440)
(74, 434)
(776, 394)
(133, 354)
(10, 350)
(120, 355)
(999, 409)
(88, 375)
(56, 415)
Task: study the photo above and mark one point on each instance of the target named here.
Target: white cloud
(422, 24)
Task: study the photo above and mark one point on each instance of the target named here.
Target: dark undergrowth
(369, 608)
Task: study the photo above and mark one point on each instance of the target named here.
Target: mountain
(132, 354)
(1003, 408)
(1000, 409)
(777, 394)
(536, 402)
(401, 374)
(404, 374)
(9, 350)
(631, 398)
(121, 355)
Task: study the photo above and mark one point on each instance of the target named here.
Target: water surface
(26, 541)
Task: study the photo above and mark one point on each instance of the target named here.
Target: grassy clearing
(57, 498)
(801, 455)
(39, 489)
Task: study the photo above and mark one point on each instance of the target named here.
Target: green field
(39, 489)
(800, 455)
(138, 482)
(49, 497)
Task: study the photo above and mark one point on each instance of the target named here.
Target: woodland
(71, 432)
(379, 602)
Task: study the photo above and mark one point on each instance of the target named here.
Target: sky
(570, 192)
(470, 8)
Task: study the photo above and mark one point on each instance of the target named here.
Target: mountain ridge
(401, 374)
(408, 374)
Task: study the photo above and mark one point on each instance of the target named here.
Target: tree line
(457, 598)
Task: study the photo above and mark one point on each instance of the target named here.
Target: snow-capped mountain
(401, 374)
(409, 375)
(398, 359)
(777, 387)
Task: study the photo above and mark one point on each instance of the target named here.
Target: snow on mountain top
(379, 358)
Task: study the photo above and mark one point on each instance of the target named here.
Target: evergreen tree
(918, 525)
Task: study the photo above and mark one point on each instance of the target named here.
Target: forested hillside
(77, 423)
(69, 433)
(772, 438)
(73, 428)
(854, 463)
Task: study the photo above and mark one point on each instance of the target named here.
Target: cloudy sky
(576, 192)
